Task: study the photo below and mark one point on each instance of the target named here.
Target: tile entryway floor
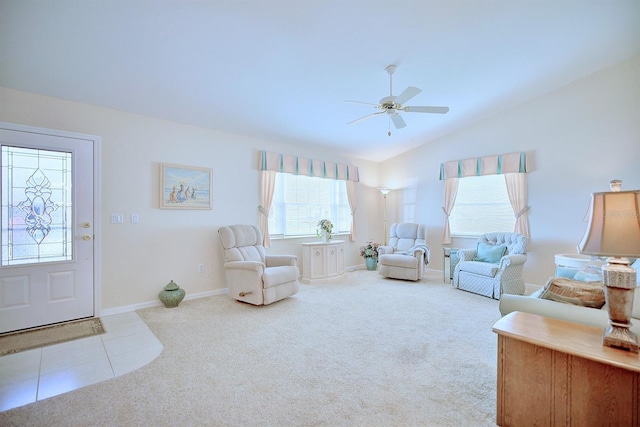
(37, 374)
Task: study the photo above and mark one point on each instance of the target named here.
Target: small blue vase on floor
(371, 263)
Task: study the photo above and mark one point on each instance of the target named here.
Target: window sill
(467, 236)
(308, 236)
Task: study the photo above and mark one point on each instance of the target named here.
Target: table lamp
(614, 231)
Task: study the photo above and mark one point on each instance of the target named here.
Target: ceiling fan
(393, 105)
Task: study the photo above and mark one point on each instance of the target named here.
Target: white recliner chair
(494, 267)
(406, 254)
(252, 275)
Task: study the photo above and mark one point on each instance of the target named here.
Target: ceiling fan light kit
(393, 105)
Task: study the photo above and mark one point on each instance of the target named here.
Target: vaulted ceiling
(282, 69)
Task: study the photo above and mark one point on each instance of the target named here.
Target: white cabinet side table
(567, 265)
(321, 261)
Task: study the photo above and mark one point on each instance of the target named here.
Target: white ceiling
(281, 69)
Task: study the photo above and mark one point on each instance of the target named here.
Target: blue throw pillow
(489, 253)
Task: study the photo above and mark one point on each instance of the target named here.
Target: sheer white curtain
(450, 192)
(267, 187)
(351, 195)
(517, 191)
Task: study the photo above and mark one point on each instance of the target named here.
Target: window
(482, 206)
(299, 202)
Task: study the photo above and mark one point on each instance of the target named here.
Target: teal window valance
(488, 165)
(287, 163)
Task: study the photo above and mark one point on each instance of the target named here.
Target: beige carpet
(48, 335)
(360, 351)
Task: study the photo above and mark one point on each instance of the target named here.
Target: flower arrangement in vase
(325, 227)
(370, 253)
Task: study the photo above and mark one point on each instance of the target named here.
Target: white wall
(578, 138)
(138, 260)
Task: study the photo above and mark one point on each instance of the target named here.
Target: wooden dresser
(556, 373)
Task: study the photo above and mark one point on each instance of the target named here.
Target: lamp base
(615, 336)
(619, 288)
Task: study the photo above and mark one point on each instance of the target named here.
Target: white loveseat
(585, 315)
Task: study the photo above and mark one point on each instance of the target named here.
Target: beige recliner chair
(406, 253)
(252, 275)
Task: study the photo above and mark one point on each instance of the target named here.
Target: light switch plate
(117, 218)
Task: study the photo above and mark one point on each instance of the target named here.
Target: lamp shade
(614, 225)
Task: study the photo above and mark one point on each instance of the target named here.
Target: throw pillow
(576, 292)
(489, 253)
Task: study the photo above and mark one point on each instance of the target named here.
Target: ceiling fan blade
(360, 102)
(368, 116)
(436, 110)
(408, 93)
(398, 121)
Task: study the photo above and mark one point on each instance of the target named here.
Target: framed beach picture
(185, 187)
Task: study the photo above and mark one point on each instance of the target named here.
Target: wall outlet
(200, 268)
(135, 218)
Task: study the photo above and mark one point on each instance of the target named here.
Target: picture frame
(185, 187)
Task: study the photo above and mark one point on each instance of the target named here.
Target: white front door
(47, 219)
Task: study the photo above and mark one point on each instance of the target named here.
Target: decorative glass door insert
(36, 206)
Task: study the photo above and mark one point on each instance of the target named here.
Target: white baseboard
(134, 307)
(128, 308)
(363, 267)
